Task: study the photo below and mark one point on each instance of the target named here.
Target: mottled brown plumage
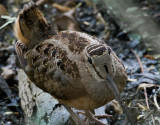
(70, 65)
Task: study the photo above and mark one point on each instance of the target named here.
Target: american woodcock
(70, 65)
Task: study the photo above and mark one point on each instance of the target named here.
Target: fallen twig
(139, 61)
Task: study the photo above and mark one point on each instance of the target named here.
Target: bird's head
(99, 61)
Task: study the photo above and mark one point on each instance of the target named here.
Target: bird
(74, 67)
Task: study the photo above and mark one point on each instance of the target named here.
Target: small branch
(155, 101)
(146, 98)
(102, 116)
(139, 61)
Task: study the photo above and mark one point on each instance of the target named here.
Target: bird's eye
(106, 68)
(109, 50)
(59, 63)
(89, 60)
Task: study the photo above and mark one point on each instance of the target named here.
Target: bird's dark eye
(106, 68)
(109, 50)
(89, 60)
(59, 63)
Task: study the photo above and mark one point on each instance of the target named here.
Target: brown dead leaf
(149, 57)
(61, 8)
(3, 10)
(67, 22)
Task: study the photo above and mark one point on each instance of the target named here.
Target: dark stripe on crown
(96, 50)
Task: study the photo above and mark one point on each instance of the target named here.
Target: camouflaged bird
(70, 65)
